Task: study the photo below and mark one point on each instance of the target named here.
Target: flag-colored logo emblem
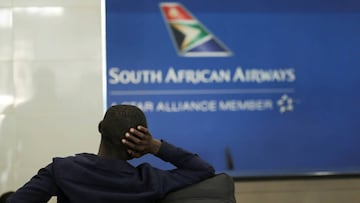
(190, 37)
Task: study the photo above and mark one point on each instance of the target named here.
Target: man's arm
(39, 189)
(190, 167)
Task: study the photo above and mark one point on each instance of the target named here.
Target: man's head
(117, 121)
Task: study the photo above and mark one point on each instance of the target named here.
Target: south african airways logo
(190, 37)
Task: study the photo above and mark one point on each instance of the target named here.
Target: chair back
(217, 189)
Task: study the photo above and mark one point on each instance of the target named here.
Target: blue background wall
(318, 41)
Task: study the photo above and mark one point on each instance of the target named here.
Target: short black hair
(118, 119)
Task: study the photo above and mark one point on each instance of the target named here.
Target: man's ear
(99, 127)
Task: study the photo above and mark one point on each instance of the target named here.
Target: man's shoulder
(77, 158)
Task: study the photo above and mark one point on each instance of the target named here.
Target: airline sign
(250, 83)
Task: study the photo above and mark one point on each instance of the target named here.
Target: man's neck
(109, 152)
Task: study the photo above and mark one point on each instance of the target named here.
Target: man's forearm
(182, 158)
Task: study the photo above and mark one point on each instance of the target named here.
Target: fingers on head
(143, 129)
(132, 138)
(138, 133)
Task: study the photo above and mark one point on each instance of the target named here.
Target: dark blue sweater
(89, 178)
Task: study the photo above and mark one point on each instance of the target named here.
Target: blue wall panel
(284, 100)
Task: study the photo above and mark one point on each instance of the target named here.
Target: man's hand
(140, 142)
